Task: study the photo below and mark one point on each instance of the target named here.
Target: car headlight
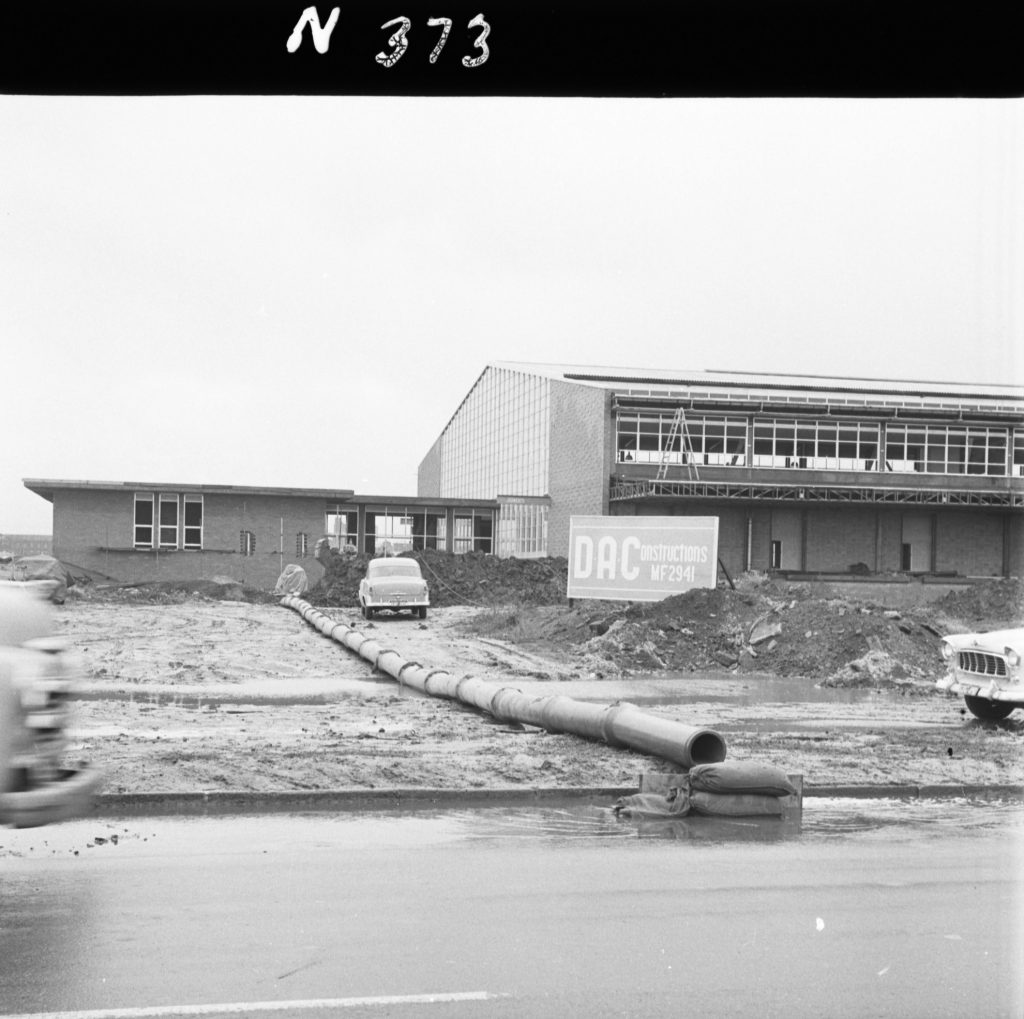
(947, 650)
(1012, 658)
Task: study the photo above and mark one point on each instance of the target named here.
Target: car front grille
(981, 663)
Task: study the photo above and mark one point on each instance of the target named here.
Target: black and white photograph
(478, 543)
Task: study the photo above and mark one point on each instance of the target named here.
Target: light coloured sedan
(985, 669)
(36, 676)
(394, 584)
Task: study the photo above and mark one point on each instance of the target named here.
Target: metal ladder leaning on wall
(678, 429)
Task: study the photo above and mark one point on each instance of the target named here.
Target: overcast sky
(297, 291)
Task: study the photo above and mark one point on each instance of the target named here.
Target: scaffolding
(623, 490)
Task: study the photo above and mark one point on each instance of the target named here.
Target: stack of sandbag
(739, 789)
(726, 789)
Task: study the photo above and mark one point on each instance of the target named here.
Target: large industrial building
(806, 474)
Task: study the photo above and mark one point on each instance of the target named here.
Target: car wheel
(990, 711)
(422, 612)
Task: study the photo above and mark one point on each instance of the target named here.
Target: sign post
(641, 558)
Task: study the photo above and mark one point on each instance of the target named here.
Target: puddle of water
(578, 825)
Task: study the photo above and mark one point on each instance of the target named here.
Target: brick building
(140, 531)
(806, 474)
(26, 544)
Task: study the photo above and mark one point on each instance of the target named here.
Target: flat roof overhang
(420, 500)
(46, 488)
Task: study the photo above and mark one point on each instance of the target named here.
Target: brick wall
(890, 538)
(836, 539)
(27, 544)
(761, 538)
(580, 458)
(970, 544)
(93, 530)
(732, 526)
(1014, 524)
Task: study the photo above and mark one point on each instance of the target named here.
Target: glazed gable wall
(428, 476)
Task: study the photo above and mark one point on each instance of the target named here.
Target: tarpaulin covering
(292, 581)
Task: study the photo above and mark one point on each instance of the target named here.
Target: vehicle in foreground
(37, 673)
(985, 669)
(393, 583)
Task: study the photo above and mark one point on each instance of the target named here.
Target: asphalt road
(866, 909)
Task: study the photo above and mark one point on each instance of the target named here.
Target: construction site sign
(641, 558)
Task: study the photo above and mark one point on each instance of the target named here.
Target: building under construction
(806, 474)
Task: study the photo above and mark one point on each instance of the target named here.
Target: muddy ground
(211, 687)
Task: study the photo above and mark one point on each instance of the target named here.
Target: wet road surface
(863, 908)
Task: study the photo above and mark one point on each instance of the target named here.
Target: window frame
(170, 541)
(189, 541)
(143, 498)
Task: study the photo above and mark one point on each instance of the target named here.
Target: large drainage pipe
(621, 724)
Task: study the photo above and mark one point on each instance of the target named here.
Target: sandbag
(734, 804)
(292, 581)
(674, 803)
(741, 777)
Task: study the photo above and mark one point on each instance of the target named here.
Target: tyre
(422, 612)
(990, 711)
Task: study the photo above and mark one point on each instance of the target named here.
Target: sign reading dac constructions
(641, 558)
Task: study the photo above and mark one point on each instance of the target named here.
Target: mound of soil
(173, 592)
(998, 604)
(470, 578)
(762, 625)
(769, 630)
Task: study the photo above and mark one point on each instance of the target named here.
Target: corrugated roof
(620, 378)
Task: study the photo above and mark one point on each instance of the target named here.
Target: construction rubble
(755, 624)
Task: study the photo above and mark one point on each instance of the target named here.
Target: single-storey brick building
(142, 531)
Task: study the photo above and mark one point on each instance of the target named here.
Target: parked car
(393, 583)
(985, 669)
(37, 673)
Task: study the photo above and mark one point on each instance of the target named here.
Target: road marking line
(158, 1011)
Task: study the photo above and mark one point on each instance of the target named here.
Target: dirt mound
(174, 592)
(998, 604)
(761, 625)
(471, 578)
(753, 631)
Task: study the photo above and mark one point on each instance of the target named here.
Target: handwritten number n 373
(398, 41)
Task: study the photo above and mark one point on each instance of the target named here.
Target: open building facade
(806, 474)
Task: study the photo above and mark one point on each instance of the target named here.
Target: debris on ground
(757, 624)
(469, 578)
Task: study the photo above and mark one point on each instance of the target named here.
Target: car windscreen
(394, 570)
